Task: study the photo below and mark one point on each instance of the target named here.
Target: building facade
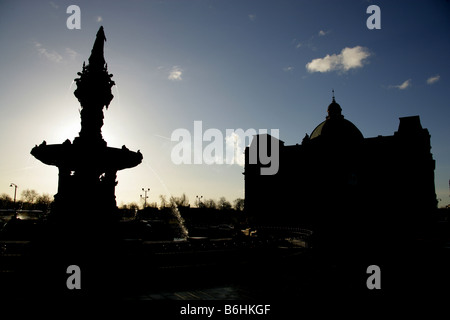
(338, 182)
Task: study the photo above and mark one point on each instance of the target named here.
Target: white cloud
(50, 55)
(175, 74)
(349, 58)
(322, 33)
(403, 86)
(288, 69)
(252, 17)
(71, 53)
(434, 79)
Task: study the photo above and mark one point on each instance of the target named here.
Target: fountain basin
(75, 157)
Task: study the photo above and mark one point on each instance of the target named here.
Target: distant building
(338, 180)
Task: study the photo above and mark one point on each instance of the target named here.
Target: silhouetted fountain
(87, 167)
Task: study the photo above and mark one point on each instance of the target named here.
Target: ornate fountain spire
(94, 92)
(97, 59)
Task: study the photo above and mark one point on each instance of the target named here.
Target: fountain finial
(97, 60)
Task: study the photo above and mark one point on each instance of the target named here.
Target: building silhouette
(345, 186)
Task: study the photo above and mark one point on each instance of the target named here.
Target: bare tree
(164, 202)
(182, 201)
(44, 201)
(133, 206)
(224, 204)
(239, 204)
(29, 196)
(5, 201)
(210, 204)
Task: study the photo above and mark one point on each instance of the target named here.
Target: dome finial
(334, 109)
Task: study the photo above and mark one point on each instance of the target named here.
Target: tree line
(183, 201)
(29, 200)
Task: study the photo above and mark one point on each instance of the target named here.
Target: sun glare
(64, 132)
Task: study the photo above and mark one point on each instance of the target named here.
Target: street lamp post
(199, 201)
(15, 192)
(145, 196)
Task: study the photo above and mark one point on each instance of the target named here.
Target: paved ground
(216, 293)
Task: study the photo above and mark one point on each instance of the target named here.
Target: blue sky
(230, 64)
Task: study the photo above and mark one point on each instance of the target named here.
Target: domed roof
(335, 127)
